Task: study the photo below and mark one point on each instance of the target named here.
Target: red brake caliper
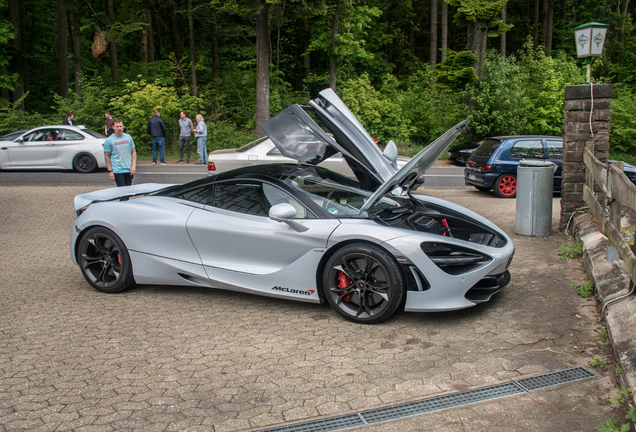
(119, 258)
(343, 282)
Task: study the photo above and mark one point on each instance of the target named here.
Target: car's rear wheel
(84, 163)
(364, 283)
(104, 260)
(506, 186)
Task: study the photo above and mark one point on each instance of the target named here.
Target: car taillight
(486, 168)
(211, 166)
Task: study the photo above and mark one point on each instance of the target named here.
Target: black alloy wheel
(84, 163)
(364, 283)
(104, 260)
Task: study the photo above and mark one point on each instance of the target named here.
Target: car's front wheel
(104, 260)
(506, 186)
(364, 283)
(84, 163)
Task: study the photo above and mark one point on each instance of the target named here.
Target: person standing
(108, 124)
(121, 156)
(201, 134)
(185, 124)
(156, 128)
(69, 120)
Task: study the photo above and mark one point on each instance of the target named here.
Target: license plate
(472, 177)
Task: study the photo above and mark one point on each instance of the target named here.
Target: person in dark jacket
(156, 128)
(69, 120)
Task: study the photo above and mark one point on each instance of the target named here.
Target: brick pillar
(576, 134)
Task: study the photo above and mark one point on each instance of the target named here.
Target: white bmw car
(54, 147)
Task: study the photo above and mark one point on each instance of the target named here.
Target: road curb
(611, 281)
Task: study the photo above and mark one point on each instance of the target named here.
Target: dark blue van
(493, 165)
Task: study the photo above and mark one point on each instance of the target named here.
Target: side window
(276, 196)
(42, 135)
(245, 198)
(202, 195)
(69, 135)
(274, 152)
(555, 149)
(527, 150)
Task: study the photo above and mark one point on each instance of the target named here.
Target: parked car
(53, 147)
(493, 165)
(263, 151)
(298, 231)
(461, 152)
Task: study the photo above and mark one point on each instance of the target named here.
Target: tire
(84, 163)
(481, 188)
(364, 283)
(506, 186)
(104, 261)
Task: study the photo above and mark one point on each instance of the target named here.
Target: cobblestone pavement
(164, 358)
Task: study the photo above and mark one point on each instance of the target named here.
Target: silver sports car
(367, 246)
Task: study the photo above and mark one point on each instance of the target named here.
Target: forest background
(409, 70)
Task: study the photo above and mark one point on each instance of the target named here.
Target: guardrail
(620, 191)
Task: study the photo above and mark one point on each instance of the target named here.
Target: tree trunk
(536, 23)
(262, 67)
(151, 36)
(307, 56)
(144, 40)
(502, 47)
(114, 68)
(62, 47)
(545, 23)
(433, 46)
(18, 61)
(215, 47)
(444, 29)
(549, 27)
(482, 51)
(176, 35)
(77, 48)
(333, 67)
(621, 54)
(193, 65)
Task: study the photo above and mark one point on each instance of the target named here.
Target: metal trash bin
(535, 181)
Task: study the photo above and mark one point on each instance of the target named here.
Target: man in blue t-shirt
(120, 155)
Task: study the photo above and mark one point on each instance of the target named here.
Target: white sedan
(54, 147)
(263, 151)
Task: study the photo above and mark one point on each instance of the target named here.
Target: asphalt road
(443, 176)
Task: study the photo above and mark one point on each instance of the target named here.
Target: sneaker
(154, 163)
(179, 161)
(188, 161)
(163, 163)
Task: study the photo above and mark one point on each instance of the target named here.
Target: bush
(623, 121)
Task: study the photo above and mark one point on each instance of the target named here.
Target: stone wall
(576, 134)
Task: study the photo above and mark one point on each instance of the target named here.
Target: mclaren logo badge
(293, 291)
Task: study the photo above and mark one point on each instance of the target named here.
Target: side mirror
(281, 212)
(286, 213)
(391, 153)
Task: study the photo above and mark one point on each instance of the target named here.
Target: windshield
(487, 148)
(246, 147)
(339, 195)
(93, 133)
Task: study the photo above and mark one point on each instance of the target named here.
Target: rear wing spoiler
(84, 200)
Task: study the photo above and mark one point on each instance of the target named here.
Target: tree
(62, 46)
(114, 67)
(77, 48)
(262, 66)
(193, 69)
(433, 48)
(333, 65)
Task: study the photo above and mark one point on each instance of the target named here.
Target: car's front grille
(486, 287)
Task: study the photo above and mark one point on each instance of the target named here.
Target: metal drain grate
(330, 424)
(555, 378)
(437, 403)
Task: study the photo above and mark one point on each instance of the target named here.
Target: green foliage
(225, 135)
(7, 33)
(618, 370)
(457, 70)
(379, 111)
(585, 290)
(135, 107)
(611, 426)
(89, 108)
(604, 336)
(623, 121)
(598, 362)
(570, 250)
(12, 119)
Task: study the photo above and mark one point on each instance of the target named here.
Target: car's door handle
(4, 148)
(50, 145)
(252, 157)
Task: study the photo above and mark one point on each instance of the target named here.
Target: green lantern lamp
(590, 39)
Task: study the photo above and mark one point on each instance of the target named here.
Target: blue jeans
(202, 148)
(161, 142)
